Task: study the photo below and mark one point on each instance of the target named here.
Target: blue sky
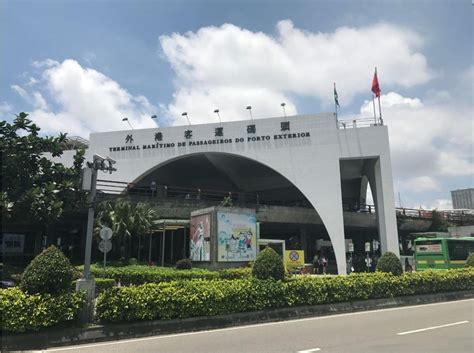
(141, 58)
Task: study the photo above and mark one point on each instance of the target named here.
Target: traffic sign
(105, 233)
(105, 246)
(367, 246)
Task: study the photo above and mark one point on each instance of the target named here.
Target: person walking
(316, 264)
(325, 264)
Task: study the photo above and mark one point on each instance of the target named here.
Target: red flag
(375, 85)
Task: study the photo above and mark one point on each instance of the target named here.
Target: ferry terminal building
(295, 160)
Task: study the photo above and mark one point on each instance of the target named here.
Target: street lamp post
(186, 115)
(128, 121)
(283, 106)
(87, 282)
(217, 112)
(249, 108)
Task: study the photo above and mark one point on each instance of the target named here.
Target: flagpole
(380, 112)
(335, 102)
(375, 115)
(380, 107)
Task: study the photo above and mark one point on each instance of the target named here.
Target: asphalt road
(441, 327)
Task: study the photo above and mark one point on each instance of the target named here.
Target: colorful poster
(200, 238)
(237, 236)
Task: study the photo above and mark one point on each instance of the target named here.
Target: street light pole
(87, 283)
(90, 225)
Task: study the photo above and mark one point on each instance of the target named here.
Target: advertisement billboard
(200, 238)
(236, 235)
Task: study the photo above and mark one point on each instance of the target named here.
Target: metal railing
(170, 192)
(358, 122)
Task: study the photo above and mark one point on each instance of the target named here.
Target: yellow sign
(294, 258)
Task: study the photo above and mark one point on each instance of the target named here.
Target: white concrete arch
(306, 150)
(308, 190)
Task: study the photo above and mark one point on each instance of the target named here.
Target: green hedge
(24, 312)
(101, 284)
(181, 299)
(141, 274)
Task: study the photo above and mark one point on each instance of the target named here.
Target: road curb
(99, 333)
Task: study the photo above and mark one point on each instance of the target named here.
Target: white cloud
(452, 164)
(420, 184)
(86, 101)
(89, 57)
(427, 139)
(431, 143)
(439, 204)
(229, 63)
(5, 109)
(21, 92)
(201, 104)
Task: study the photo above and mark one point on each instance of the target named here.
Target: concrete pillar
(326, 198)
(379, 173)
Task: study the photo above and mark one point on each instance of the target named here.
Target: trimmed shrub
(470, 260)
(268, 265)
(141, 274)
(181, 299)
(49, 272)
(184, 264)
(101, 284)
(24, 312)
(390, 263)
(235, 273)
(133, 261)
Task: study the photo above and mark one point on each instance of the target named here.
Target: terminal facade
(305, 160)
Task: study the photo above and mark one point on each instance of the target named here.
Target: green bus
(442, 253)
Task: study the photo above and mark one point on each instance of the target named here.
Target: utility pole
(89, 182)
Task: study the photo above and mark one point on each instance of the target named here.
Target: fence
(161, 191)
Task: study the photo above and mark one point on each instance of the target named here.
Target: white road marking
(310, 350)
(129, 340)
(432, 328)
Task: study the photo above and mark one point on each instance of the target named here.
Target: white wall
(310, 163)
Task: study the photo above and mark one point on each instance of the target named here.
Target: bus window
(428, 247)
(460, 249)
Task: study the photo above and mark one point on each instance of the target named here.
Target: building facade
(463, 199)
(325, 163)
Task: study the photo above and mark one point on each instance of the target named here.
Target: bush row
(181, 299)
(30, 312)
(141, 274)
(101, 284)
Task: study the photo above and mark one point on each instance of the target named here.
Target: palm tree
(145, 217)
(126, 221)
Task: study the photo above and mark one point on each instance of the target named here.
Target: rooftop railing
(356, 122)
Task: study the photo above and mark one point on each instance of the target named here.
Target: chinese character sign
(236, 235)
(200, 238)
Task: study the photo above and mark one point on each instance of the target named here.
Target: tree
(34, 188)
(126, 220)
(438, 223)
